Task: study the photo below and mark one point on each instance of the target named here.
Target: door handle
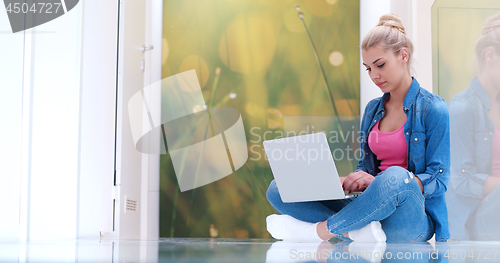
(147, 48)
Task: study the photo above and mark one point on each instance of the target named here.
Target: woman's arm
(465, 178)
(437, 149)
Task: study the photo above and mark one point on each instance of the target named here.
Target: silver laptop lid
(303, 168)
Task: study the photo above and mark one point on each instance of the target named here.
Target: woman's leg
(393, 198)
(298, 220)
(312, 212)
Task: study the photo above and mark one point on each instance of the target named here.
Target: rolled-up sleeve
(466, 180)
(437, 149)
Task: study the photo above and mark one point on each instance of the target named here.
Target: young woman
(405, 169)
(475, 137)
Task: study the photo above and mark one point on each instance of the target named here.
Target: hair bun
(393, 21)
(491, 23)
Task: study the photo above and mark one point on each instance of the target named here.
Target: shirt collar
(409, 99)
(481, 94)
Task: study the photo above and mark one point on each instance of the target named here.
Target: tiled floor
(244, 250)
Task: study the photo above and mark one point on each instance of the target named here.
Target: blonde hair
(390, 35)
(490, 37)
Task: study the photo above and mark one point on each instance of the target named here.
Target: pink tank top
(495, 154)
(389, 147)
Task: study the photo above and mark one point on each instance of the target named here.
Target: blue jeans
(393, 198)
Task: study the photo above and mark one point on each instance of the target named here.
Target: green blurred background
(456, 26)
(255, 56)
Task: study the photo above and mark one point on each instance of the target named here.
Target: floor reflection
(245, 250)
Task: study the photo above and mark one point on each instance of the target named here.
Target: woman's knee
(393, 173)
(394, 176)
(273, 194)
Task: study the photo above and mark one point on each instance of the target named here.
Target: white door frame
(137, 174)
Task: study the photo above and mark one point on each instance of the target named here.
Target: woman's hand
(356, 181)
(490, 184)
(419, 184)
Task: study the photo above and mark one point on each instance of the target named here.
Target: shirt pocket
(417, 145)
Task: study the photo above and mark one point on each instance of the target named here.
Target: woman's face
(386, 69)
(493, 66)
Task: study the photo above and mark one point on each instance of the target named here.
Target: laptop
(304, 169)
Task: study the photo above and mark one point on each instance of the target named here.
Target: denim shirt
(472, 137)
(427, 136)
(471, 143)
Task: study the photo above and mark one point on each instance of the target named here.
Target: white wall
(422, 37)
(370, 12)
(416, 15)
(55, 79)
(58, 114)
(40, 109)
(11, 116)
(97, 117)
